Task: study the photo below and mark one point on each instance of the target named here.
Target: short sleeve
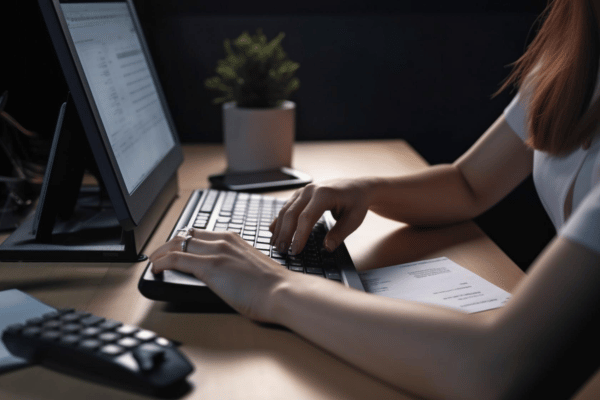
(584, 225)
(516, 116)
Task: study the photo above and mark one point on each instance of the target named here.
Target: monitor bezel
(129, 208)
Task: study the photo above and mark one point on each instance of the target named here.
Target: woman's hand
(348, 201)
(242, 276)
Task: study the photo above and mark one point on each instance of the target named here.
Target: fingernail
(294, 249)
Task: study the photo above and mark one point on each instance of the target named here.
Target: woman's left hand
(242, 276)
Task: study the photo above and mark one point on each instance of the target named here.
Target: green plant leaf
(256, 73)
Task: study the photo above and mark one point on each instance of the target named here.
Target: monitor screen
(123, 88)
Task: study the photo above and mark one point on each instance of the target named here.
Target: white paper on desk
(438, 281)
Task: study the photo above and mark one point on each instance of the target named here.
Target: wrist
(284, 296)
(370, 188)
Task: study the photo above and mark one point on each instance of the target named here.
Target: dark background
(421, 71)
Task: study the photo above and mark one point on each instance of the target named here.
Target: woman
(549, 129)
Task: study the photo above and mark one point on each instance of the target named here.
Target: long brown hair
(559, 70)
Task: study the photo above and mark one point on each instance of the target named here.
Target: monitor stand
(72, 222)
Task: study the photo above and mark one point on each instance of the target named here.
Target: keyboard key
(265, 252)
(280, 261)
(265, 234)
(264, 240)
(263, 246)
(296, 268)
(336, 276)
(248, 237)
(314, 270)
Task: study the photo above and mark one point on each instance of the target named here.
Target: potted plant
(255, 80)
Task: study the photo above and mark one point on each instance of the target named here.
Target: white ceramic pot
(258, 138)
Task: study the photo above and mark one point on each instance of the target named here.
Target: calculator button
(127, 329)
(145, 335)
(90, 344)
(90, 331)
(161, 341)
(51, 315)
(71, 327)
(51, 324)
(70, 317)
(70, 339)
(109, 324)
(50, 335)
(31, 331)
(112, 350)
(34, 321)
(91, 320)
(109, 336)
(128, 342)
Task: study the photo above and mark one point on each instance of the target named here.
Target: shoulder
(584, 224)
(516, 116)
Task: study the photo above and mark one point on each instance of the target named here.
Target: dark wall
(421, 71)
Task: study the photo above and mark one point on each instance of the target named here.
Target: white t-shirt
(553, 177)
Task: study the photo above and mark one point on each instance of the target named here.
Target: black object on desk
(81, 343)
(260, 181)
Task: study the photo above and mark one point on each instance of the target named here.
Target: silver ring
(184, 244)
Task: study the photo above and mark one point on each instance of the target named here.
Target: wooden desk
(234, 357)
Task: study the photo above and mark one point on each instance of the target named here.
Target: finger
(184, 262)
(201, 243)
(289, 221)
(341, 230)
(307, 220)
(172, 245)
(277, 220)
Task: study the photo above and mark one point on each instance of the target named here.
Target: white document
(439, 281)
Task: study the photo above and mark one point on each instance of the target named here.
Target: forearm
(427, 350)
(437, 195)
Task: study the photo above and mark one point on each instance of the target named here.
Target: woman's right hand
(348, 201)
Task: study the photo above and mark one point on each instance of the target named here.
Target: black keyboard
(250, 215)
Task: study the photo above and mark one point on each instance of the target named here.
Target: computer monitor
(119, 105)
